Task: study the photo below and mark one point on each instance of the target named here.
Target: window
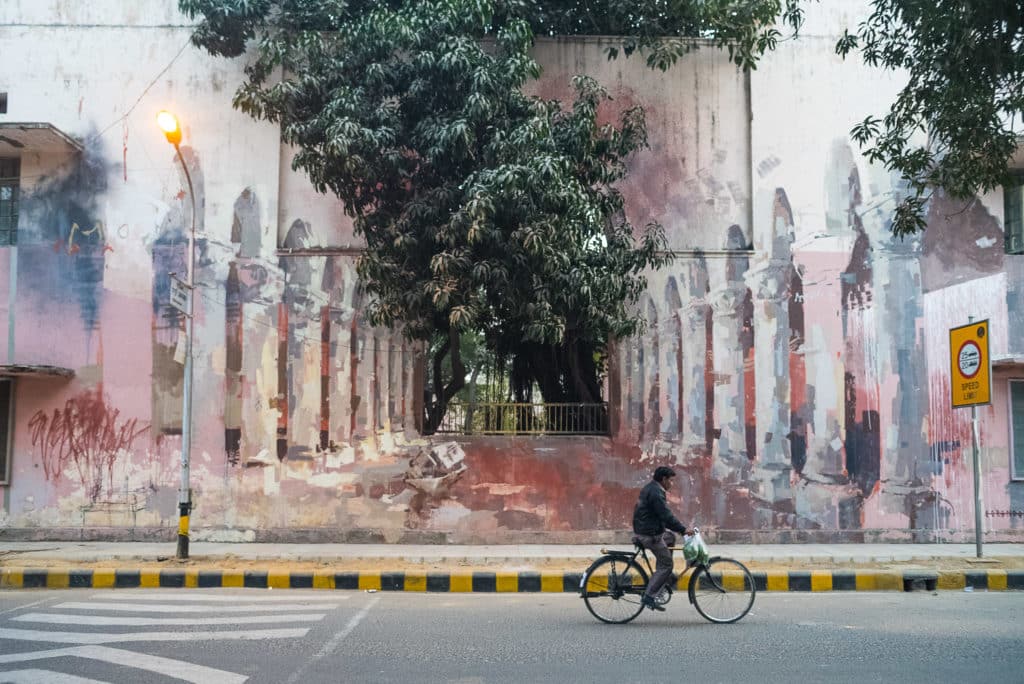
(10, 173)
(1013, 215)
(1017, 429)
(6, 428)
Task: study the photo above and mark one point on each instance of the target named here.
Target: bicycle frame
(641, 552)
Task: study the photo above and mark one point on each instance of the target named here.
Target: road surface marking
(74, 619)
(108, 638)
(335, 640)
(36, 676)
(197, 674)
(174, 607)
(233, 598)
(23, 607)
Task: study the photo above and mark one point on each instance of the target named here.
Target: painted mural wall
(794, 368)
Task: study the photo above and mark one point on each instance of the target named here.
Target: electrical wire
(93, 138)
(144, 91)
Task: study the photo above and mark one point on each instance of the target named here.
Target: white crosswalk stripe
(178, 669)
(209, 598)
(33, 676)
(184, 609)
(174, 607)
(122, 637)
(104, 620)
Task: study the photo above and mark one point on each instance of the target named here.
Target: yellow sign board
(970, 365)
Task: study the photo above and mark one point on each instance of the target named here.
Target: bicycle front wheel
(613, 589)
(722, 590)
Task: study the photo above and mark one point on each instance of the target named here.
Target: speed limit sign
(969, 364)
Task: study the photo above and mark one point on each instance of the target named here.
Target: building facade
(794, 369)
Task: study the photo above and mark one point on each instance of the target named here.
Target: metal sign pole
(185, 491)
(976, 458)
(977, 481)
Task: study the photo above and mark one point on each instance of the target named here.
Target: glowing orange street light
(169, 124)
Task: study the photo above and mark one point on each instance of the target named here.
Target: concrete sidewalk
(24, 553)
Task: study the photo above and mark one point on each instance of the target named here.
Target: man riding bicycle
(651, 517)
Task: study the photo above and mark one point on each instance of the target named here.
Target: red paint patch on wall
(949, 429)
(551, 484)
(85, 437)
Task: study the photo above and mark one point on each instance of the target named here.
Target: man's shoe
(649, 603)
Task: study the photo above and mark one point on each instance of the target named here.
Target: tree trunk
(566, 374)
(584, 383)
(443, 393)
(467, 427)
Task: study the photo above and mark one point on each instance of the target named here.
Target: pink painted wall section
(694, 179)
(950, 428)
(794, 369)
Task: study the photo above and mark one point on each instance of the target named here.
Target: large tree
(483, 209)
(957, 121)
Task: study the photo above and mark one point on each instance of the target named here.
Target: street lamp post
(172, 131)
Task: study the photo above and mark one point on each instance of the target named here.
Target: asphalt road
(226, 636)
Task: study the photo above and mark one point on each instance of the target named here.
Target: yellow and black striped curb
(488, 582)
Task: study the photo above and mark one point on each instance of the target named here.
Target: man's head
(663, 475)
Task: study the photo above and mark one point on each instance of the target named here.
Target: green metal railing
(510, 418)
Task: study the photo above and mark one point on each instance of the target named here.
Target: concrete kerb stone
(496, 581)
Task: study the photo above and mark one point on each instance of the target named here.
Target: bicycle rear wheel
(613, 589)
(723, 590)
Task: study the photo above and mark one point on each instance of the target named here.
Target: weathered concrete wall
(794, 368)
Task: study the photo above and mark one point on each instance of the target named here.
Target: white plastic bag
(694, 549)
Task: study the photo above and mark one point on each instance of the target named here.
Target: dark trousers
(663, 568)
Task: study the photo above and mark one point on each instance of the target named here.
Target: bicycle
(721, 589)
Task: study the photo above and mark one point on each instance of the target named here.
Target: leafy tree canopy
(661, 29)
(964, 96)
(664, 30)
(482, 209)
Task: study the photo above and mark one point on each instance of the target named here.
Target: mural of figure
(301, 308)
(697, 360)
(729, 303)
(650, 408)
(902, 477)
(170, 255)
(342, 289)
(233, 332)
(801, 408)
(671, 333)
(245, 241)
(334, 288)
(771, 279)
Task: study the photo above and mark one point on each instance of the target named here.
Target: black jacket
(652, 515)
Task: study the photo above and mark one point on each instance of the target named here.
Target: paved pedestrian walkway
(25, 552)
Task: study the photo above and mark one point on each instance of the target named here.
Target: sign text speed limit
(969, 364)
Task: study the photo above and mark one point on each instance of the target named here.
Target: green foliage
(952, 125)
(482, 209)
(663, 30)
